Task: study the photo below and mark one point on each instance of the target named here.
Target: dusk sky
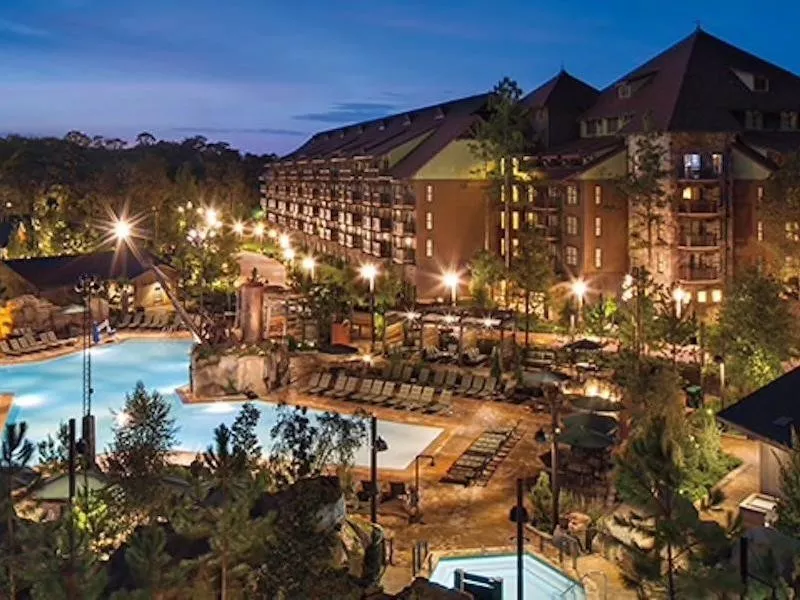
(264, 75)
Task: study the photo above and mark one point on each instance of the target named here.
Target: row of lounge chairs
(479, 462)
(471, 357)
(377, 392)
(466, 384)
(163, 321)
(27, 343)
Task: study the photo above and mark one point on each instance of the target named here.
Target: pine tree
(789, 502)
(15, 453)
(532, 269)
(486, 272)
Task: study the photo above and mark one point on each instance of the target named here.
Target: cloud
(232, 130)
(20, 29)
(350, 112)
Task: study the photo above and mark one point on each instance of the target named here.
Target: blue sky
(264, 74)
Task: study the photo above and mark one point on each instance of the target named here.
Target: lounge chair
(489, 389)
(162, 321)
(384, 394)
(399, 396)
(363, 391)
(443, 405)
(7, 350)
(413, 399)
(477, 385)
(474, 357)
(321, 386)
(424, 376)
(466, 382)
(338, 386)
(438, 379)
(16, 347)
(406, 373)
(450, 380)
(24, 347)
(508, 387)
(136, 322)
(125, 321)
(48, 342)
(350, 386)
(33, 343)
(313, 381)
(147, 322)
(64, 342)
(425, 398)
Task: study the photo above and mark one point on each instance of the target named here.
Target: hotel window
(760, 231)
(515, 220)
(598, 195)
(531, 194)
(572, 195)
(716, 295)
(788, 120)
(612, 125)
(502, 247)
(429, 248)
(661, 262)
(759, 194)
(572, 225)
(428, 220)
(429, 193)
(598, 227)
(571, 255)
(598, 258)
(702, 296)
(753, 119)
(716, 163)
(514, 246)
(531, 218)
(792, 229)
(515, 193)
(502, 219)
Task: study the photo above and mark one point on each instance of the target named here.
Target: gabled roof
(377, 137)
(697, 85)
(771, 412)
(563, 90)
(61, 271)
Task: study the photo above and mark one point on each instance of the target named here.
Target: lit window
(514, 193)
(428, 220)
(531, 218)
(572, 225)
(572, 195)
(760, 231)
(502, 219)
(598, 227)
(716, 163)
(792, 231)
(661, 262)
(688, 193)
(702, 296)
(515, 220)
(503, 194)
(429, 193)
(760, 194)
(502, 247)
(571, 255)
(531, 194)
(429, 248)
(598, 258)
(598, 194)
(716, 295)
(514, 245)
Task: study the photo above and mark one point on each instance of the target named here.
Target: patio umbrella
(602, 424)
(588, 439)
(584, 346)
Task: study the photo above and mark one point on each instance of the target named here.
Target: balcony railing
(699, 240)
(403, 228)
(704, 173)
(699, 207)
(404, 256)
(700, 273)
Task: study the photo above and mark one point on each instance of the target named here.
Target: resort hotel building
(409, 189)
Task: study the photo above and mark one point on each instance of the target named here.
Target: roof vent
(782, 421)
(439, 114)
(406, 119)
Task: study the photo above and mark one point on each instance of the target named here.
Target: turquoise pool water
(542, 582)
(49, 392)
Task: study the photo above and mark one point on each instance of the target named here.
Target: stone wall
(233, 373)
(41, 314)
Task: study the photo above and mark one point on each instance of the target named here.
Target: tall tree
(648, 197)
(780, 211)
(637, 311)
(501, 139)
(675, 553)
(755, 332)
(486, 273)
(532, 269)
(15, 453)
(789, 502)
(143, 438)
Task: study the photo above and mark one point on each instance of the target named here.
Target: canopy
(581, 437)
(594, 422)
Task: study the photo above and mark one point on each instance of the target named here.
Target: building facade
(408, 189)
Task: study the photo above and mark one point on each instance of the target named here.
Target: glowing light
(488, 323)
(449, 319)
(369, 272)
(288, 254)
(679, 294)
(284, 241)
(238, 228)
(272, 234)
(258, 230)
(451, 279)
(122, 230)
(367, 358)
(309, 263)
(579, 288)
(212, 219)
(412, 316)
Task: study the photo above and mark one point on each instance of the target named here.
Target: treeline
(63, 191)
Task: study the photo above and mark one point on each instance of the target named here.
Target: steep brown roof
(379, 136)
(563, 90)
(694, 86)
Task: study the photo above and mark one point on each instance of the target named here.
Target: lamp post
(680, 296)
(579, 289)
(451, 280)
(519, 515)
(288, 254)
(416, 516)
(370, 272)
(721, 362)
(238, 228)
(284, 241)
(309, 264)
(377, 444)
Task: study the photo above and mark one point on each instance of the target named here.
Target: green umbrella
(581, 437)
(602, 424)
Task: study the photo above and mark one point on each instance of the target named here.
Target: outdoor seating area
(477, 464)
(24, 342)
(155, 321)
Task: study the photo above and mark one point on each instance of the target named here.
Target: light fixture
(258, 230)
(238, 228)
(579, 288)
(284, 241)
(211, 217)
(122, 230)
(369, 272)
(288, 254)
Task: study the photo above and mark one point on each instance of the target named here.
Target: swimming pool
(542, 582)
(49, 392)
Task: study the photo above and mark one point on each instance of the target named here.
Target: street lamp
(451, 281)
(370, 272)
(309, 264)
(377, 444)
(579, 289)
(680, 296)
(238, 228)
(284, 241)
(122, 230)
(288, 254)
(212, 219)
(258, 230)
(416, 515)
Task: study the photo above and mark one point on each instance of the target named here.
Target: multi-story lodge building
(410, 189)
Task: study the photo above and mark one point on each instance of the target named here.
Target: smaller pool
(542, 582)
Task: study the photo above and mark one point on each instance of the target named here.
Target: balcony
(406, 200)
(404, 256)
(699, 208)
(701, 274)
(403, 228)
(699, 241)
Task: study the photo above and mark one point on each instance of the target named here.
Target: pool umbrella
(588, 439)
(584, 346)
(602, 424)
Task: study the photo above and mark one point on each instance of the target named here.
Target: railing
(699, 207)
(700, 273)
(703, 173)
(699, 240)
(403, 228)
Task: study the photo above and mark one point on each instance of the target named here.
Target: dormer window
(788, 120)
(624, 90)
(753, 119)
(760, 83)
